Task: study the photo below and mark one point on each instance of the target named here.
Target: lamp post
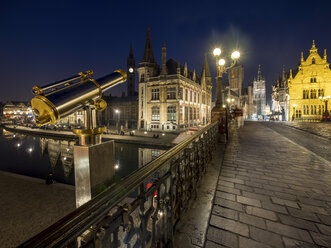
(117, 117)
(219, 113)
(325, 116)
(293, 116)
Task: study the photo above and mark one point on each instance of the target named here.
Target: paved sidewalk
(270, 193)
(28, 206)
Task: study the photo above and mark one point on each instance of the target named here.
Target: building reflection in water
(60, 152)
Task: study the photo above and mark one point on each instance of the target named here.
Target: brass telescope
(60, 99)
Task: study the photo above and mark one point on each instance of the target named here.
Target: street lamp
(325, 116)
(117, 116)
(294, 106)
(219, 113)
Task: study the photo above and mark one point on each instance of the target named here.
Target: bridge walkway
(270, 192)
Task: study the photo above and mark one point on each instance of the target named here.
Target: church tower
(131, 67)
(147, 67)
(259, 94)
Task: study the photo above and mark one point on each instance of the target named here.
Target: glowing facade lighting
(117, 111)
(221, 62)
(294, 105)
(217, 51)
(235, 55)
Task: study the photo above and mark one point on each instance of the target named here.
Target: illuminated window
(156, 94)
(186, 113)
(171, 93)
(155, 113)
(155, 153)
(172, 113)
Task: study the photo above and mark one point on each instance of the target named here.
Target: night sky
(46, 41)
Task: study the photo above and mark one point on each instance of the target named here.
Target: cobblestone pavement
(270, 193)
(318, 145)
(318, 128)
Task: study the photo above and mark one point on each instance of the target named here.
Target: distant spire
(259, 74)
(291, 74)
(148, 52)
(164, 59)
(284, 73)
(313, 48)
(301, 56)
(194, 76)
(185, 70)
(324, 57)
(178, 68)
(206, 67)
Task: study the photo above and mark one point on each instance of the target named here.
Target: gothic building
(280, 97)
(259, 95)
(171, 98)
(311, 82)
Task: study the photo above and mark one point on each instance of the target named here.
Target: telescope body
(59, 103)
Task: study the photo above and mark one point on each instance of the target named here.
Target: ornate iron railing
(131, 214)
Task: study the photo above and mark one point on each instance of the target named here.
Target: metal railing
(144, 208)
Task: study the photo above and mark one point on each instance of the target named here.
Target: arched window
(319, 92)
(311, 94)
(304, 109)
(322, 92)
(155, 113)
(314, 80)
(315, 109)
(313, 61)
(319, 109)
(172, 113)
(307, 109)
(304, 94)
(311, 110)
(311, 80)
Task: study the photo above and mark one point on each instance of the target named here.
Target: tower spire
(164, 59)
(284, 73)
(206, 67)
(324, 57)
(259, 74)
(148, 52)
(301, 56)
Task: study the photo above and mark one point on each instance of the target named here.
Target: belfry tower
(131, 69)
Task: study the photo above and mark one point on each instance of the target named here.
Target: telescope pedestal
(94, 168)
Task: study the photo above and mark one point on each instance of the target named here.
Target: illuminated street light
(18, 145)
(221, 62)
(116, 166)
(235, 55)
(30, 150)
(117, 111)
(217, 51)
(325, 116)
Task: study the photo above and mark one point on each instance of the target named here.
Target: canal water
(38, 157)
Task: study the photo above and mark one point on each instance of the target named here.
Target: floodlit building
(280, 97)
(172, 98)
(17, 110)
(259, 96)
(313, 80)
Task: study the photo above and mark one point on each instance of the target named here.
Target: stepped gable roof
(172, 66)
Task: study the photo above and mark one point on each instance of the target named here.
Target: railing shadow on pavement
(144, 208)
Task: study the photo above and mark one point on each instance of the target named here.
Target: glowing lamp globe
(235, 55)
(221, 62)
(217, 52)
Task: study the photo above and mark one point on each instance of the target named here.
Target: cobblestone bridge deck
(271, 192)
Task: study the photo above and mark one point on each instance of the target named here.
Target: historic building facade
(280, 97)
(172, 98)
(313, 80)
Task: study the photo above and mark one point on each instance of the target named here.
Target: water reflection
(38, 157)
